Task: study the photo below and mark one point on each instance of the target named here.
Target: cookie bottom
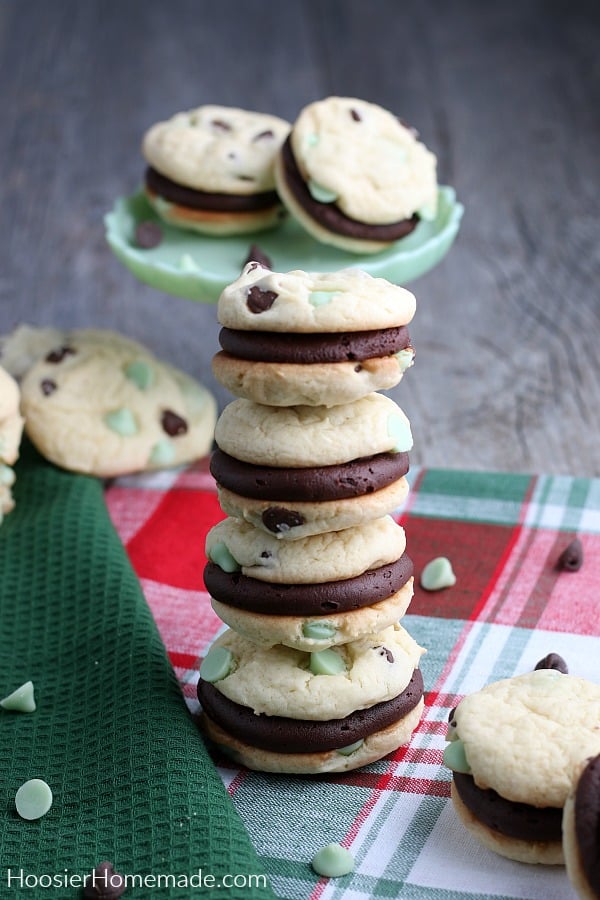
(307, 384)
(549, 853)
(215, 222)
(268, 630)
(374, 747)
(315, 518)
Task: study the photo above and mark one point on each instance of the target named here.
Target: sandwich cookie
(211, 169)
(309, 594)
(101, 404)
(581, 830)
(284, 710)
(11, 429)
(355, 176)
(267, 468)
(514, 748)
(317, 339)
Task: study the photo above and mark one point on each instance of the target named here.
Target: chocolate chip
(279, 520)
(262, 135)
(266, 554)
(451, 714)
(410, 128)
(553, 661)
(571, 559)
(220, 125)
(356, 115)
(148, 234)
(258, 257)
(383, 651)
(358, 368)
(104, 883)
(173, 424)
(48, 386)
(259, 301)
(245, 177)
(56, 356)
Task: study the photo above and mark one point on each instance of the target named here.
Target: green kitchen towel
(131, 778)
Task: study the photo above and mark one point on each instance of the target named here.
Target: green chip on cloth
(131, 779)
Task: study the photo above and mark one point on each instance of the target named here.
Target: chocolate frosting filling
(587, 822)
(195, 199)
(349, 346)
(312, 484)
(270, 599)
(520, 821)
(331, 216)
(283, 735)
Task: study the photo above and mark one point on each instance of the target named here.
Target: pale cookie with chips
(515, 746)
(237, 547)
(355, 176)
(304, 436)
(281, 709)
(102, 404)
(11, 429)
(312, 338)
(211, 169)
(581, 830)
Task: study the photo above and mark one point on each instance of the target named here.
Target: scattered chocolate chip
(220, 125)
(356, 115)
(104, 883)
(57, 356)
(259, 301)
(148, 234)
(279, 520)
(173, 424)
(48, 386)
(262, 135)
(571, 559)
(553, 661)
(258, 257)
(383, 651)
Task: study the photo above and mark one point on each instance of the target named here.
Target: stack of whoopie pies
(309, 570)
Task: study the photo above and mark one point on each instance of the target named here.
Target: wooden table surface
(507, 95)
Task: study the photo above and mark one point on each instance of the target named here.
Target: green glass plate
(197, 267)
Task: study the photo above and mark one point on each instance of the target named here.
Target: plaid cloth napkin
(509, 608)
(131, 778)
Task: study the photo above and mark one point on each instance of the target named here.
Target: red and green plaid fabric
(510, 607)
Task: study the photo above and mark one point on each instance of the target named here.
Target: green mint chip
(216, 665)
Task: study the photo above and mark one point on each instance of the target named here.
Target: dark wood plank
(507, 95)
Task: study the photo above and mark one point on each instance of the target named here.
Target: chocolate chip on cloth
(315, 339)
(355, 176)
(104, 883)
(514, 747)
(210, 169)
(571, 558)
(103, 405)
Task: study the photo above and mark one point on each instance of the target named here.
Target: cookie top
(102, 404)
(525, 736)
(11, 422)
(235, 545)
(313, 302)
(279, 681)
(312, 435)
(362, 158)
(218, 149)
